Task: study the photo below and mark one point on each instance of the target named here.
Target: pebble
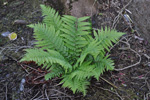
(21, 22)
(124, 85)
(5, 34)
(148, 64)
(21, 87)
(23, 81)
(22, 84)
(8, 75)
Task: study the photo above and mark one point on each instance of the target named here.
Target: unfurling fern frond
(66, 49)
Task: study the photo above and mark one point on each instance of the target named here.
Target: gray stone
(141, 17)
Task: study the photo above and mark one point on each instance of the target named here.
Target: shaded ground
(131, 52)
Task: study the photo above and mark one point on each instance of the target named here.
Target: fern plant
(65, 47)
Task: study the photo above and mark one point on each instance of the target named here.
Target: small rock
(23, 81)
(8, 75)
(21, 22)
(124, 85)
(82, 8)
(148, 64)
(22, 84)
(5, 34)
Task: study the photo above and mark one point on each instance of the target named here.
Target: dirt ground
(129, 81)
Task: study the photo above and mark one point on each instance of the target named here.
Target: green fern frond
(42, 57)
(48, 38)
(41, 34)
(109, 64)
(107, 36)
(84, 28)
(93, 48)
(51, 17)
(55, 71)
(83, 71)
(102, 63)
(75, 84)
(77, 79)
(74, 31)
(37, 55)
(83, 86)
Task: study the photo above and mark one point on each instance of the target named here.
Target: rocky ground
(24, 81)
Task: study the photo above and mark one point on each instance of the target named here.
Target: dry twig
(116, 93)
(132, 64)
(109, 83)
(147, 96)
(46, 95)
(35, 95)
(62, 93)
(15, 48)
(146, 82)
(6, 93)
(116, 19)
